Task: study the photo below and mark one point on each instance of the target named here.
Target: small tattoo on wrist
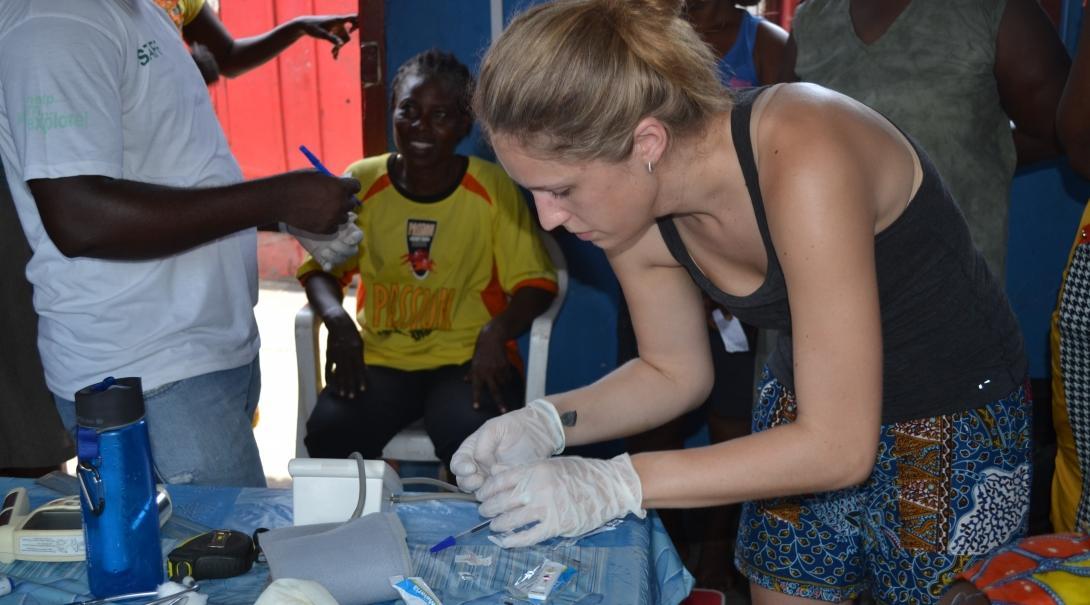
(569, 418)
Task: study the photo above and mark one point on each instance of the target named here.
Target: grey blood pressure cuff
(352, 560)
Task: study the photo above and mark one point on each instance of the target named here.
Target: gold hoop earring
(650, 168)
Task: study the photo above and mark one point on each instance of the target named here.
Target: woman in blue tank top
(750, 49)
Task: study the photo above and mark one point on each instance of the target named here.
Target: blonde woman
(879, 459)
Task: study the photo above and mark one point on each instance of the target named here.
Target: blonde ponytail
(572, 78)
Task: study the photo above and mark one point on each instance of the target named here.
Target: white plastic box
(326, 490)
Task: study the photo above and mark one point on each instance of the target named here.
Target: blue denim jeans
(201, 427)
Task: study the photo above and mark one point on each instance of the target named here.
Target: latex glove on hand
(527, 435)
(331, 249)
(566, 496)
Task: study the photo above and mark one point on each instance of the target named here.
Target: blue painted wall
(1047, 200)
(1046, 203)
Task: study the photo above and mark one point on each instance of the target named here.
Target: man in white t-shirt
(144, 253)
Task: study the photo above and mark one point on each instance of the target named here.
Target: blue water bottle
(120, 516)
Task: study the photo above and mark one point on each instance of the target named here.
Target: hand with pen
(335, 239)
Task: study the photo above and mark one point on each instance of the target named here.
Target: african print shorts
(944, 491)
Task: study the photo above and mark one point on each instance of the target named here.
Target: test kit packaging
(326, 490)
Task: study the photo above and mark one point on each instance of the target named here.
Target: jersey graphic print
(418, 238)
(176, 11)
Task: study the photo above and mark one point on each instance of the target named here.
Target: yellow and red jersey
(434, 271)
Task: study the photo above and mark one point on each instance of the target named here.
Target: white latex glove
(565, 496)
(527, 435)
(331, 249)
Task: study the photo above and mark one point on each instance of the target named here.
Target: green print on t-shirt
(147, 52)
(43, 113)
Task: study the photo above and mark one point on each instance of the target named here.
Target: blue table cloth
(632, 563)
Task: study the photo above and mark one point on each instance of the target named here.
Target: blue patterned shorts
(944, 490)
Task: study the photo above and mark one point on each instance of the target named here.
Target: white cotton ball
(290, 591)
(168, 588)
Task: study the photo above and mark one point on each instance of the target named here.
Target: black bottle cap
(112, 403)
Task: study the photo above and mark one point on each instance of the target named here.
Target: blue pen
(452, 540)
(314, 161)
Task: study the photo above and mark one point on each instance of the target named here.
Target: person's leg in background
(670, 436)
(201, 428)
(678, 522)
(449, 416)
(705, 537)
(392, 400)
(729, 416)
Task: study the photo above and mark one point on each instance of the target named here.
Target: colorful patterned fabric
(181, 12)
(943, 491)
(1039, 570)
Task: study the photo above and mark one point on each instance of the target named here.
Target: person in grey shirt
(953, 74)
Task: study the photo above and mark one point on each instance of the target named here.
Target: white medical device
(53, 531)
(326, 490)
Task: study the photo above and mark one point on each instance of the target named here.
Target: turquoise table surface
(633, 563)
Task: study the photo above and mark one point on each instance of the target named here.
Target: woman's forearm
(804, 460)
(631, 399)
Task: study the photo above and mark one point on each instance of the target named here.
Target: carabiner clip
(82, 470)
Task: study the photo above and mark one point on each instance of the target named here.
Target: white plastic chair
(413, 443)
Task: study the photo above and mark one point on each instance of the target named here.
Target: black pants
(395, 399)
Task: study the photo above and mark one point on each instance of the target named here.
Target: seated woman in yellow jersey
(451, 270)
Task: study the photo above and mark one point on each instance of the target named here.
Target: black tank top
(950, 341)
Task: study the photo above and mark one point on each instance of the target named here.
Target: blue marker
(452, 540)
(314, 161)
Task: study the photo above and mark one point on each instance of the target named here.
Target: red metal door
(303, 97)
(372, 77)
